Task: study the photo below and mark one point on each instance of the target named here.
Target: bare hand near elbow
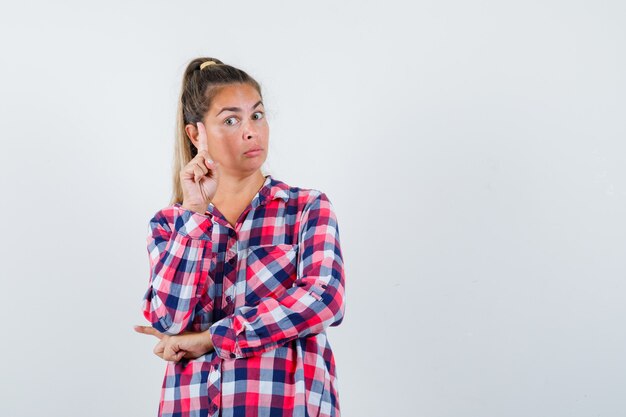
(188, 345)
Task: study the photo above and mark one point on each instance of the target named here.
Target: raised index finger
(203, 142)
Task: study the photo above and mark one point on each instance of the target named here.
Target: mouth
(254, 150)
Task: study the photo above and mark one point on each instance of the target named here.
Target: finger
(202, 167)
(187, 171)
(213, 166)
(197, 173)
(148, 330)
(203, 141)
(204, 159)
(191, 171)
(158, 349)
(173, 352)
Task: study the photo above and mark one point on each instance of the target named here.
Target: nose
(249, 131)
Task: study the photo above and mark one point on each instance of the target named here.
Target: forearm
(180, 251)
(302, 310)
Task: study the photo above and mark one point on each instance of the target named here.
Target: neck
(236, 188)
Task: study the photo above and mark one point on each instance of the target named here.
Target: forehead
(235, 95)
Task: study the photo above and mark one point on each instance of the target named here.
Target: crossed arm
(315, 302)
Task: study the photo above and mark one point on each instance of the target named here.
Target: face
(235, 124)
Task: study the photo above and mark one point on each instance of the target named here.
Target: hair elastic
(207, 63)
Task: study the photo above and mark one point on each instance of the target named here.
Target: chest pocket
(270, 270)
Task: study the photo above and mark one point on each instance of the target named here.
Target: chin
(253, 166)
(256, 160)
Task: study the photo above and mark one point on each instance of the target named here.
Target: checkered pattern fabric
(265, 289)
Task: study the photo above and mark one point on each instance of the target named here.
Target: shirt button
(232, 260)
(213, 408)
(232, 355)
(228, 298)
(215, 367)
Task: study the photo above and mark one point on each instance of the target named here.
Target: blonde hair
(202, 81)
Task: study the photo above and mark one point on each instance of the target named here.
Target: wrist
(209, 341)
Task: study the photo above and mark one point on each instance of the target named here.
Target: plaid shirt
(266, 289)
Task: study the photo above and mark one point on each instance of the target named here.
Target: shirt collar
(272, 189)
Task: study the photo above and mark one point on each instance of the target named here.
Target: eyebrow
(237, 109)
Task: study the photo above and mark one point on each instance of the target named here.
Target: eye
(226, 121)
(262, 115)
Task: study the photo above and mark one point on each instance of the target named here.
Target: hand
(188, 345)
(199, 178)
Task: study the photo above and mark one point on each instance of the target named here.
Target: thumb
(214, 167)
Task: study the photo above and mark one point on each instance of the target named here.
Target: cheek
(264, 133)
(233, 150)
(219, 139)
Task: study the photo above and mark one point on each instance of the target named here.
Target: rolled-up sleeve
(314, 302)
(179, 248)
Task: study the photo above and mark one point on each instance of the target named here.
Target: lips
(253, 150)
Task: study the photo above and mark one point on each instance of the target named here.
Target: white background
(474, 152)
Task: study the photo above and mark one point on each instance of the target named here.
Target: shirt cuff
(224, 337)
(193, 224)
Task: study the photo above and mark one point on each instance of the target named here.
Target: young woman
(246, 272)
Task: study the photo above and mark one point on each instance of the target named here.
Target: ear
(192, 134)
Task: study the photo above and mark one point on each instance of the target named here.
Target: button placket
(232, 259)
(231, 250)
(214, 383)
